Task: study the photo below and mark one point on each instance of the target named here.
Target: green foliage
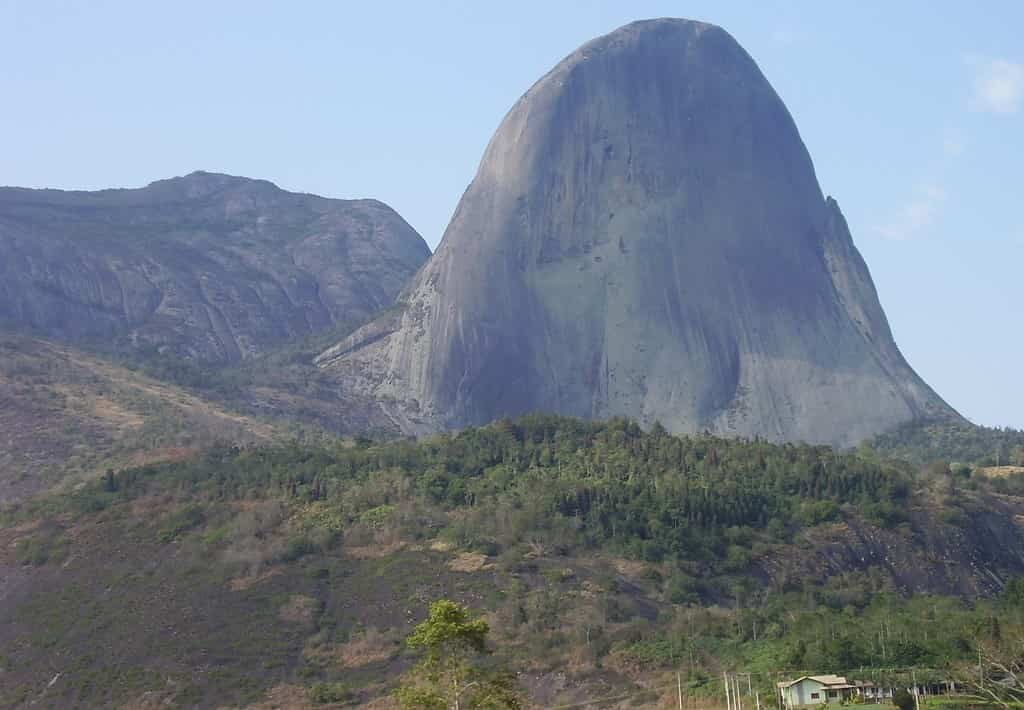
(324, 693)
(570, 484)
(884, 514)
(497, 691)
(958, 441)
(658, 652)
(448, 631)
(815, 512)
(180, 522)
(296, 547)
(903, 700)
(449, 672)
(320, 516)
(1013, 593)
(795, 654)
(376, 517)
(718, 521)
(41, 548)
(418, 697)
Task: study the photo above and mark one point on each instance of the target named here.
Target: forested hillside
(602, 555)
(960, 442)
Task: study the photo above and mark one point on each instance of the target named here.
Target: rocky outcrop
(208, 267)
(646, 237)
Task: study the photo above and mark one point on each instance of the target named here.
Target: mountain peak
(645, 237)
(201, 183)
(655, 27)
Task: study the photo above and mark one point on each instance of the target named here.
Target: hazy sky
(913, 113)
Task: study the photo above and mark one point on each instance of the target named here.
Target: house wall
(800, 693)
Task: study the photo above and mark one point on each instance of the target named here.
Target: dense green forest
(954, 441)
(580, 485)
(704, 502)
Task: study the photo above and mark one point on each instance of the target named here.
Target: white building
(814, 690)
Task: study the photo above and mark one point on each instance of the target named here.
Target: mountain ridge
(207, 267)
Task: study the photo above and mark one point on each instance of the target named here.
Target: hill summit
(646, 237)
(205, 267)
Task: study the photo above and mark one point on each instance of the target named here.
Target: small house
(815, 690)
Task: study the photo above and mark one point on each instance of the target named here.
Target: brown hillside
(65, 415)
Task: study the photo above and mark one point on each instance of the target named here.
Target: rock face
(208, 267)
(645, 237)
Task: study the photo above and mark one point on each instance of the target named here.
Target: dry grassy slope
(65, 415)
(214, 616)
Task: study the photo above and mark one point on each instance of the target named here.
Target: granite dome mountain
(207, 267)
(646, 237)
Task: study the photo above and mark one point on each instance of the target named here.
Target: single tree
(449, 675)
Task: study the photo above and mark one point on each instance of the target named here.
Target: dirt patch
(26, 527)
(284, 697)
(373, 552)
(441, 546)
(630, 569)
(239, 584)
(148, 507)
(168, 454)
(469, 562)
(117, 415)
(194, 405)
(300, 609)
(1000, 471)
(152, 700)
(9, 538)
(371, 646)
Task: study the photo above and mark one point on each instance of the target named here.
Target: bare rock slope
(645, 236)
(208, 267)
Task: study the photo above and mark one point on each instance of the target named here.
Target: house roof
(832, 682)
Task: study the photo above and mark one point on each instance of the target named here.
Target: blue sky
(913, 113)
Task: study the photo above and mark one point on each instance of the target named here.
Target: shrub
(884, 514)
(903, 699)
(40, 549)
(737, 559)
(681, 589)
(182, 521)
(323, 693)
(297, 547)
(656, 652)
(377, 517)
(812, 513)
